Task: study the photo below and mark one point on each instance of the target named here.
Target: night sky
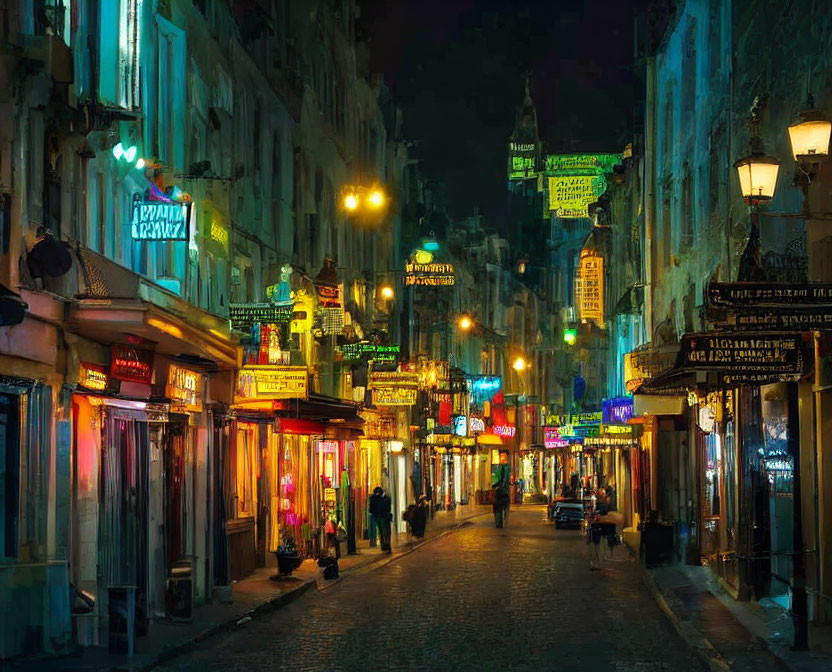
(457, 67)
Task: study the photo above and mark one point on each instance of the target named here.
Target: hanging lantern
(758, 177)
(809, 135)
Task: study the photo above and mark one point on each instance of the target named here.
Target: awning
(299, 426)
(489, 440)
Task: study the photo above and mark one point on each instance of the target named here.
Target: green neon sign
(581, 164)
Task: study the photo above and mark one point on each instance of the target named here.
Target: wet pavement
(519, 598)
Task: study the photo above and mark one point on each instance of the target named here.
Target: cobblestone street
(520, 598)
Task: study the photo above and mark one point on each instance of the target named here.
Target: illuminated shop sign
(622, 430)
(273, 382)
(328, 296)
(551, 437)
(461, 425)
(522, 160)
(156, 220)
(430, 274)
(642, 365)
(394, 396)
(589, 287)
(244, 315)
(185, 387)
(219, 234)
(92, 376)
(130, 364)
(569, 195)
(504, 430)
(378, 353)
(394, 388)
(487, 385)
(476, 424)
(617, 410)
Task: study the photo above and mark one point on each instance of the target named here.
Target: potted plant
(288, 559)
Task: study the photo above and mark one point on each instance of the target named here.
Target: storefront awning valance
(299, 426)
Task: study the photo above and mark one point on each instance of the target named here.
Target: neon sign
(476, 424)
(92, 376)
(617, 410)
(430, 274)
(130, 364)
(159, 221)
(551, 437)
(504, 430)
(185, 387)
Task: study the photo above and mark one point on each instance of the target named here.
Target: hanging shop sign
(586, 418)
(157, 220)
(810, 318)
(432, 274)
(130, 364)
(273, 382)
(219, 233)
(244, 315)
(485, 387)
(92, 377)
(461, 425)
(522, 160)
(377, 353)
(617, 410)
(185, 387)
(394, 396)
(570, 194)
(744, 358)
(589, 287)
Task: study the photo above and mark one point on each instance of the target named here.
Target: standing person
(380, 510)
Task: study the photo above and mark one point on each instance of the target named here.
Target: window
(245, 451)
(119, 53)
(171, 90)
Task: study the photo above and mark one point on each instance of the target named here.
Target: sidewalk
(252, 597)
(724, 633)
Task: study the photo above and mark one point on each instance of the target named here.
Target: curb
(266, 607)
(699, 644)
(283, 599)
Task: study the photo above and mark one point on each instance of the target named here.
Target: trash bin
(122, 612)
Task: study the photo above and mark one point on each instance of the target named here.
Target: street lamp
(465, 323)
(519, 364)
(758, 175)
(809, 137)
(386, 292)
(361, 201)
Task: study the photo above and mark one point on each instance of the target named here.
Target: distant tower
(524, 143)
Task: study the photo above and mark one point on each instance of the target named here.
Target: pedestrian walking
(381, 511)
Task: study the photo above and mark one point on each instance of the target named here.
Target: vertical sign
(589, 287)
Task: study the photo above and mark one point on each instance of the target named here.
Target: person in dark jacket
(381, 512)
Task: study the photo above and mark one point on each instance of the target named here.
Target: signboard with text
(244, 315)
(754, 294)
(378, 353)
(156, 220)
(570, 195)
(273, 382)
(522, 160)
(131, 364)
(394, 388)
(744, 358)
(92, 376)
(433, 274)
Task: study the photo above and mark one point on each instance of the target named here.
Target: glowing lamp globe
(376, 199)
(519, 364)
(351, 202)
(758, 177)
(465, 323)
(387, 292)
(809, 136)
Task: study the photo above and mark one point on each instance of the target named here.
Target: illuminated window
(245, 462)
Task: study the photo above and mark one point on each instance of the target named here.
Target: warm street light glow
(465, 323)
(758, 177)
(519, 364)
(376, 199)
(351, 202)
(386, 292)
(809, 135)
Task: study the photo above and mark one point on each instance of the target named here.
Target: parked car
(569, 514)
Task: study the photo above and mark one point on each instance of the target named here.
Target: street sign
(771, 294)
